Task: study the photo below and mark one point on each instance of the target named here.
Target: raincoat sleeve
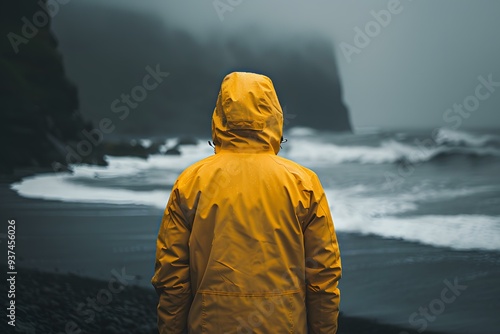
(172, 279)
(323, 267)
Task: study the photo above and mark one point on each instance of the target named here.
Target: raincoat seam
(327, 222)
(290, 314)
(203, 314)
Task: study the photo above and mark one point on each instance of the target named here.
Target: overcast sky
(421, 61)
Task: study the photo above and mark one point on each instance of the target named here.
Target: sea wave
(355, 209)
(445, 144)
(454, 231)
(361, 208)
(391, 217)
(450, 137)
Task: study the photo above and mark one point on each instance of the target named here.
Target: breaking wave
(390, 217)
(446, 143)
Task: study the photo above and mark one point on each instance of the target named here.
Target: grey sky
(426, 59)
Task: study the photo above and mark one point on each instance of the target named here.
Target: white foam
(301, 131)
(60, 187)
(354, 211)
(69, 187)
(326, 153)
(117, 166)
(145, 142)
(458, 231)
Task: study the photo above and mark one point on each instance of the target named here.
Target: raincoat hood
(248, 116)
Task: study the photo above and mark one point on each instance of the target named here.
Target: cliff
(108, 52)
(39, 121)
(119, 44)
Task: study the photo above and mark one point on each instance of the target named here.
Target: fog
(406, 72)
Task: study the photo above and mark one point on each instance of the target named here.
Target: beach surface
(68, 303)
(62, 247)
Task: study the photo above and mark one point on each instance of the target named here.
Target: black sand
(59, 303)
(63, 247)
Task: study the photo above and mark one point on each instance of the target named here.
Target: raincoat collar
(248, 117)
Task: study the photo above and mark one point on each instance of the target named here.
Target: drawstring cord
(283, 140)
(211, 144)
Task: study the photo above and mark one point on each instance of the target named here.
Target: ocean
(417, 213)
(385, 184)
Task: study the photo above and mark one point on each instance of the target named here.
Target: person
(247, 242)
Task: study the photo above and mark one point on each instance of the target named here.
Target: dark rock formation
(39, 121)
(108, 58)
(41, 124)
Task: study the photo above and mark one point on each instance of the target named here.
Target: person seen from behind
(247, 242)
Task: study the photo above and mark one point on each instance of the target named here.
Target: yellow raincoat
(247, 242)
